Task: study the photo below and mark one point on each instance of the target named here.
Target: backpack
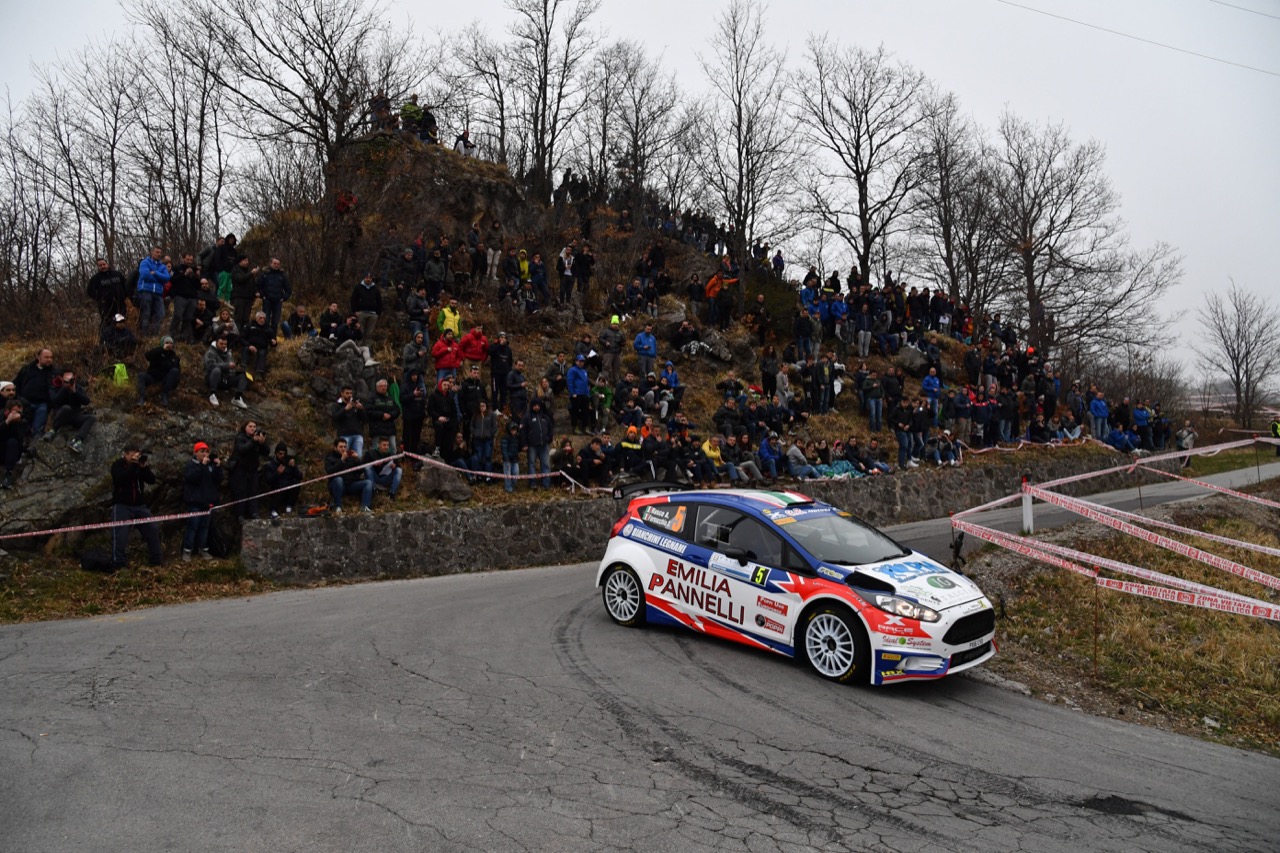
(96, 560)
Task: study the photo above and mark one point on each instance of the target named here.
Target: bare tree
(300, 71)
(552, 42)
(1241, 345)
(954, 223)
(862, 111)
(1080, 283)
(749, 136)
(485, 84)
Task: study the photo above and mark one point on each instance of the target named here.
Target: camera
(144, 458)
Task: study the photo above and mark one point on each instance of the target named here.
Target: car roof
(754, 500)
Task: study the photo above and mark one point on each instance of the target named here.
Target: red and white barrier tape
(1210, 486)
(995, 537)
(1092, 512)
(1260, 610)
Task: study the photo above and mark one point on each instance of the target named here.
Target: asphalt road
(503, 711)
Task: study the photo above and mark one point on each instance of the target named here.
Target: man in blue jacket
(646, 346)
(153, 274)
(578, 384)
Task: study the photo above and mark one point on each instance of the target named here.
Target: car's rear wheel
(835, 643)
(623, 596)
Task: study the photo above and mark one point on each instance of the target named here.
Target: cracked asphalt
(503, 711)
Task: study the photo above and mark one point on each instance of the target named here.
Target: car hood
(915, 577)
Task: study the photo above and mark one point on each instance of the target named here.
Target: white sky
(1191, 142)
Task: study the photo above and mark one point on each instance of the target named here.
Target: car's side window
(793, 562)
(719, 527)
(669, 518)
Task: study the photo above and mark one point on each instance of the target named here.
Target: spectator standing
(1186, 440)
(200, 480)
(536, 437)
(184, 288)
(578, 384)
(511, 445)
(244, 290)
(274, 288)
(153, 274)
(281, 472)
(247, 453)
(445, 414)
(108, 291)
(500, 364)
(382, 413)
(366, 304)
(130, 475)
(646, 347)
(447, 355)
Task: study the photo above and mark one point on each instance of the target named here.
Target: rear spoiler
(630, 490)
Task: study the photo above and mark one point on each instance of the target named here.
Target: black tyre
(835, 645)
(623, 596)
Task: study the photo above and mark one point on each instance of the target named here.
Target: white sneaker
(288, 510)
(239, 401)
(337, 510)
(213, 400)
(275, 514)
(911, 463)
(186, 556)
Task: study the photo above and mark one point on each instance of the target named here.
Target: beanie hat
(281, 447)
(200, 445)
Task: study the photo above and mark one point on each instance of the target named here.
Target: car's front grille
(971, 627)
(961, 658)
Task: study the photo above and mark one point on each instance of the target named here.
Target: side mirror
(735, 553)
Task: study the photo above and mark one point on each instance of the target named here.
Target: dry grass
(1174, 664)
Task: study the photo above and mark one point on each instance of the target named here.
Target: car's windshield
(837, 539)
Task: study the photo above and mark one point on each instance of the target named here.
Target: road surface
(503, 711)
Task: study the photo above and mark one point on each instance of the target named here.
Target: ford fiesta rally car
(779, 571)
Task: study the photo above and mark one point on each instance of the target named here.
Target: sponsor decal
(902, 572)
(974, 606)
(910, 642)
(781, 521)
(769, 624)
(797, 512)
(698, 588)
(668, 517)
(887, 623)
(940, 582)
(892, 673)
(889, 656)
(664, 542)
(830, 573)
(769, 604)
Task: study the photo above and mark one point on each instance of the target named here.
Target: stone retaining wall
(468, 539)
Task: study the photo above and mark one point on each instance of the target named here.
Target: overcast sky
(1191, 142)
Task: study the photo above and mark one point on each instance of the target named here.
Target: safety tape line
(986, 533)
(1093, 513)
(1260, 610)
(1223, 489)
(1021, 444)
(493, 475)
(1210, 450)
(1025, 547)
(1168, 525)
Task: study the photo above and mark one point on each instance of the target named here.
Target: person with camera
(130, 475)
(281, 472)
(14, 432)
(200, 480)
(247, 454)
(386, 471)
(348, 418)
(347, 477)
(69, 410)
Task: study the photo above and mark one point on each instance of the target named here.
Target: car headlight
(902, 607)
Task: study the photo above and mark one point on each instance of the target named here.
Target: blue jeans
(273, 309)
(804, 472)
(390, 482)
(150, 312)
(904, 447)
(340, 488)
(875, 411)
(196, 537)
(542, 455)
(447, 373)
(482, 459)
(120, 535)
(40, 419)
(1006, 430)
(355, 443)
(510, 467)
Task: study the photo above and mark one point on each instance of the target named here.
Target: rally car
(782, 572)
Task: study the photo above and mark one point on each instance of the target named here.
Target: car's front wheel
(623, 596)
(835, 643)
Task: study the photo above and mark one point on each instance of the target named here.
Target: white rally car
(782, 572)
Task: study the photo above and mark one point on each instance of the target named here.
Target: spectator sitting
(201, 322)
(298, 324)
(118, 341)
(68, 404)
(350, 335)
(222, 373)
(34, 385)
(258, 339)
(13, 437)
(565, 461)
(225, 327)
(386, 471)
(281, 472)
(1120, 439)
(331, 320)
(347, 477)
(366, 305)
(798, 465)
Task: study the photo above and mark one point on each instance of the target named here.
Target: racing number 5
(760, 575)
